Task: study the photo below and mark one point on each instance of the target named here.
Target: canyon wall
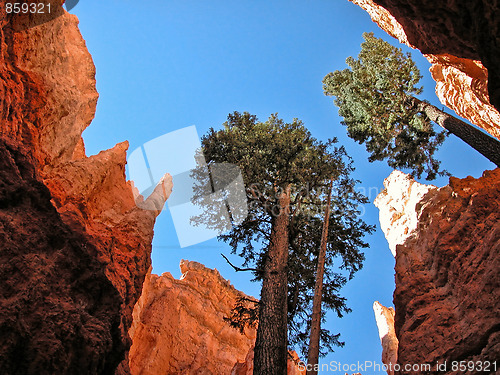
(461, 43)
(447, 282)
(179, 327)
(446, 241)
(75, 248)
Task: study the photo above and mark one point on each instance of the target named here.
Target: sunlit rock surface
(75, 248)
(384, 317)
(179, 325)
(397, 207)
(447, 281)
(458, 51)
(461, 84)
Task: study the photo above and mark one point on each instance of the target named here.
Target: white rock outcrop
(397, 207)
(385, 323)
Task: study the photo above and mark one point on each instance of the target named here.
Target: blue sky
(165, 65)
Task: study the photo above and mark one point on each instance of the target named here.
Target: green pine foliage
(374, 98)
(272, 155)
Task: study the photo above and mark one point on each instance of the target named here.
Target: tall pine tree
(376, 98)
(286, 172)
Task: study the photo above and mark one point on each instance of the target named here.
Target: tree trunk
(313, 354)
(487, 146)
(271, 346)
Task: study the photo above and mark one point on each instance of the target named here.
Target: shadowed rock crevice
(57, 310)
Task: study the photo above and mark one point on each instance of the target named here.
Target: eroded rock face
(75, 247)
(179, 325)
(48, 87)
(57, 306)
(384, 317)
(457, 40)
(447, 282)
(461, 84)
(397, 207)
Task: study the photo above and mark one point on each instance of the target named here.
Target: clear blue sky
(166, 65)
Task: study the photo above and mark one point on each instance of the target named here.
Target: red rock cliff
(447, 283)
(461, 41)
(75, 249)
(179, 327)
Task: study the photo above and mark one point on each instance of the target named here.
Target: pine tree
(375, 96)
(314, 337)
(342, 259)
(285, 171)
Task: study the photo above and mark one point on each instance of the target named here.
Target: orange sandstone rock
(88, 243)
(385, 323)
(462, 85)
(397, 207)
(179, 325)
(447, 281)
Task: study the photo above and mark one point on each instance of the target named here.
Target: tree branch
(237, 269)
(253, 300)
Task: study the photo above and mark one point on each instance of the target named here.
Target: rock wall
(396, 204)
(460, 41)
(75, 248)
(57, 307)
(447, 281)
(179, 327)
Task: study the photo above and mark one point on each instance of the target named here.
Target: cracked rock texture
(447, 283)
(75, 248)
(179, 327)
(462, 42)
